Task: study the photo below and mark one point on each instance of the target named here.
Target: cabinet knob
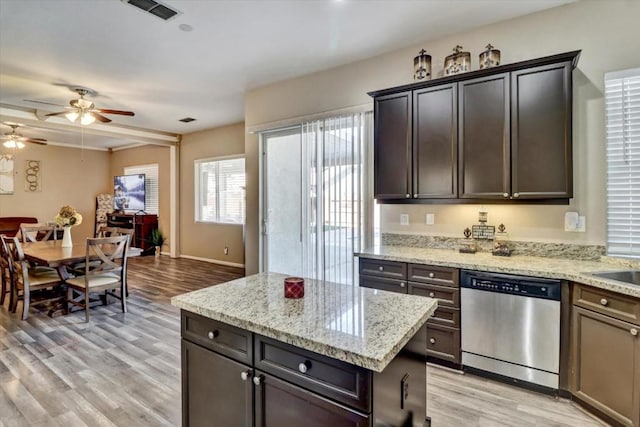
(257, 380)
(245, 375)
(432, 294)
(431, 275)
(516, 195)
(213, 334)
(304, 366)
(415, 196)
(634, 332)
(408, 196)
(381, 268)
(604, 301)
(402, 285)
(432, 340)
(505, 194)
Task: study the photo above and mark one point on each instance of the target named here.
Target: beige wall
(606, 31)
(206, 240)
(146, 155)
(69, 177)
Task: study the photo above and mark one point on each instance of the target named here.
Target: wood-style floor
(124, 369)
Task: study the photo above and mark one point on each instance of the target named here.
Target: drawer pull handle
(304, 366)
(402, 284)
(257, 380)
(432, 340)
(245, 375)
(431, 275)
(634, 332)
(213, 334)
(505, 194)
(432, 295)
(381, 268)
(516, 195)
(604, 301)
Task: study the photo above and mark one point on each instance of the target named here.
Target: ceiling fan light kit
(13, 144)
(86, 110)
(15, 140)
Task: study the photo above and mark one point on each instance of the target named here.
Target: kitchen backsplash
(542, 249)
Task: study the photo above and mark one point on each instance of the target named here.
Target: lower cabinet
(278, 403)
(605, 356)
(216, 391)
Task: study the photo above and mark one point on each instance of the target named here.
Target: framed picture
(6, 173)
(32, 176)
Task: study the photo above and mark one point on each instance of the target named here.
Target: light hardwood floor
(124, 369)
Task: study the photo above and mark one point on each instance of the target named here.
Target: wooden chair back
(38, 232)
(111, 253)
(105, 231)
(6, 269)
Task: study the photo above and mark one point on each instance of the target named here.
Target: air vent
(155, 8)
(187, 120)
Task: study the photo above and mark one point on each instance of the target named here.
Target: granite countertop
(361, 326)
(567, 269)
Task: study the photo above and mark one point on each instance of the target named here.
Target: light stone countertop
(567, 269)
(361, 326)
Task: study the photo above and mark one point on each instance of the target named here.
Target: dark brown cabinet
(605, 359)
(143, 225)
(501, 135)
(392, 146)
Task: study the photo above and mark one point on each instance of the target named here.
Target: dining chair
(6, 275)
(31, 289)
(38, 232)
(105, 270)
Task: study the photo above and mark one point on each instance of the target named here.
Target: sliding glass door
(315, 182)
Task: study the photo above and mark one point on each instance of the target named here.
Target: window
(150, 185)
(622, 99)
(219, 188)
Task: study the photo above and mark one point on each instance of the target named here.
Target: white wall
(608, 34)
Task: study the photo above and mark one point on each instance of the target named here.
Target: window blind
(151, 186)
(220, 188)
(622, 99)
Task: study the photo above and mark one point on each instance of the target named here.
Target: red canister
(293, 287)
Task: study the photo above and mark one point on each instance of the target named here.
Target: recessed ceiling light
(185, 27)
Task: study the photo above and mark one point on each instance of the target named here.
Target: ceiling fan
(86, 110)
(15, 140)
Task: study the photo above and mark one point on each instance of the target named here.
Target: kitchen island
(339, 356)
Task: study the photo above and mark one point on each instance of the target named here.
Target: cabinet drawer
(388, 269)
(443, 343)
(328, 377)
(391, 285)
(443, 276)
(618, 306)
(446, 295)
(446, 316)
(225, 339)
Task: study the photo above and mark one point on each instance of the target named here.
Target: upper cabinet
(495, 135)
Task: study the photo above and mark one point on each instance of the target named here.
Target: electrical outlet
(430, 219)
(581, 225)
(404, 219)
(226, 250)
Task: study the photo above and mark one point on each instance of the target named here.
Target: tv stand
(142, 225)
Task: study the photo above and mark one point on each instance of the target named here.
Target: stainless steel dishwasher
(510, 326)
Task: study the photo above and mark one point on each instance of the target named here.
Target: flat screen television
(128, 192)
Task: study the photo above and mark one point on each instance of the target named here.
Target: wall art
(6, 173)
(32, 176)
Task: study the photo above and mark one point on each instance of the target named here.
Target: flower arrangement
(68, 217)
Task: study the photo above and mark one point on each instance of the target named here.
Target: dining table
(50, 253)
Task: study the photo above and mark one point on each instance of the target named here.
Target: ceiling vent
(187, 120)
(155, 8)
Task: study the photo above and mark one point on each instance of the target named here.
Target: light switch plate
(404, 219)
(430, 219)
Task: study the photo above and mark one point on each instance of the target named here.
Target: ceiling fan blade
(38, 141)
(59, 113)
(122, 113)
(100, 117)
(42, 102)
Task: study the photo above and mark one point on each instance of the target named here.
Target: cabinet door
(213, 391)
(392, 146)
(606, 365)
(541, 157)
(281, 404)
(483, 137)
(435, 153)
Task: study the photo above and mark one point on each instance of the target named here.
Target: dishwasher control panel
(511, 284)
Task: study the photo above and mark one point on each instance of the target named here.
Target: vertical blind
(150, 185)
(622, 98)
(220, 190)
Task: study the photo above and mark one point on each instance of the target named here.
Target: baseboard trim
(212, 261)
